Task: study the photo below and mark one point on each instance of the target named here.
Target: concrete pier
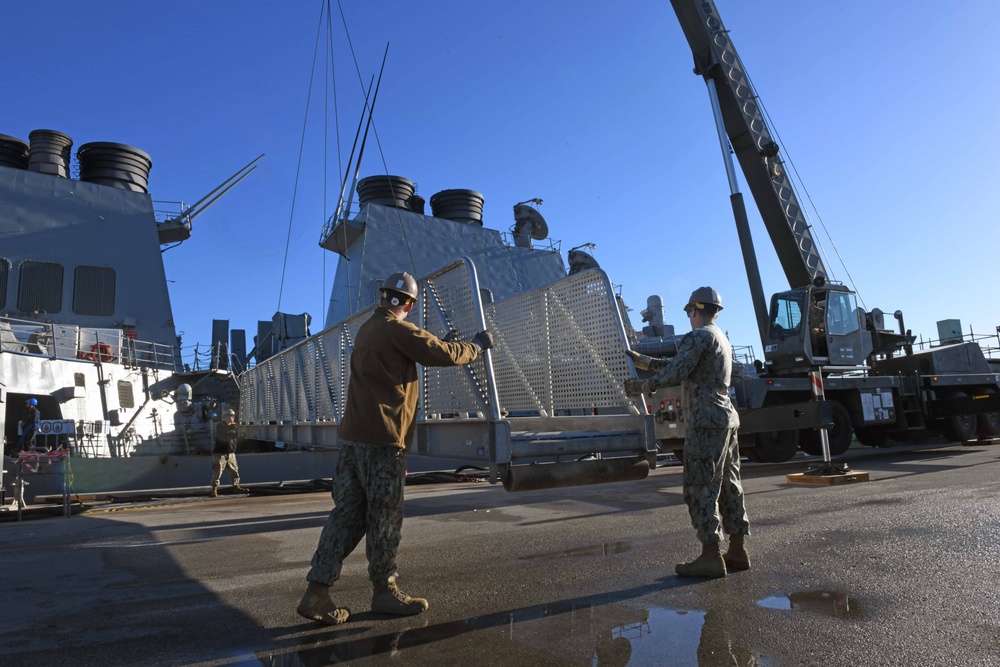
(901, 570)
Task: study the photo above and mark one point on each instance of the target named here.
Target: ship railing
(38, 338)
(211, 357)
(552, 245)
(553, 385)
(988, 342)
(146, 354)
(744, 354)
(164, 210)
(90, 344)
(342, 214)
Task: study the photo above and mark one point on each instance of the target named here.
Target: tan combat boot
(708, 564)
(390, 600)
(737, 557)
(316, 605)
(240, 489)
(215, 491)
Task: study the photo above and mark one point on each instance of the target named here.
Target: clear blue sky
(889, 112)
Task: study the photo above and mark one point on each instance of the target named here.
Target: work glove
(635, 387)
(451, 337)
(484, 339)
(641, 361)
(645, 362)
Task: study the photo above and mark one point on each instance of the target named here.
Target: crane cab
(815, 326)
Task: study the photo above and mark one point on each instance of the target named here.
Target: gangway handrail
(491, 381)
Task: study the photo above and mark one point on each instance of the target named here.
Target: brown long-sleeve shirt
(226, 437)
(382, 393)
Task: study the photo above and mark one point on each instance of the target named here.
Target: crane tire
(988, 425)
(774, 446)
(839, 435)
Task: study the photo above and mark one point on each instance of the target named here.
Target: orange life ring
(100, 352)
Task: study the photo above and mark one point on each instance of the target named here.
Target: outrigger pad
(806, 478)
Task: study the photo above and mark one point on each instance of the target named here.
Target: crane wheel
(960, 428)
(989, 425)
(774, 446)
(839, 435)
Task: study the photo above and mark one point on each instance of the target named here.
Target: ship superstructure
(86, 326)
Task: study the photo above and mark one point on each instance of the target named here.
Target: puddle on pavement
(571, 632)
(828, 603)
(605, 549)
(585, 631)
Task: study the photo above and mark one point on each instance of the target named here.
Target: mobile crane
(877, 387)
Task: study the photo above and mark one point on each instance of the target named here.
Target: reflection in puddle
(776, 602)
(584, 631)
(605, 549)
(828, 603)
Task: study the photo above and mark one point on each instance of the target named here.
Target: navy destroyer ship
(86, 328)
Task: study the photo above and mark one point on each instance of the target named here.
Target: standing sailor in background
(376, 430)
(29, 425)
(712, 486)
(224, 454)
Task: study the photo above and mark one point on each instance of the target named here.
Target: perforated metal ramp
(550, 390)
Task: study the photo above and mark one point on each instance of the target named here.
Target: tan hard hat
(403, 283)
(703, 296)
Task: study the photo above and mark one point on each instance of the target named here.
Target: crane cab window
(786, 315)
(841, 313)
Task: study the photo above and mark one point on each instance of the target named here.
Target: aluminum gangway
(546, 407)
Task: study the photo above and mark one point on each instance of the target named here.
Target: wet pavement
(901, 570)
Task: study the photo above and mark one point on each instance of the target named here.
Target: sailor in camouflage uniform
(224, 453)
(376, 430)
(712, 488)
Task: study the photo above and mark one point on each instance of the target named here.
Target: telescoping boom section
(546, 407)
(758, 153)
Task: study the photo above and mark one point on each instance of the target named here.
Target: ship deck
(898, 570)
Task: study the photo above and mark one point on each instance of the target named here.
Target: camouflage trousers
(368, 502)
(712, 488)
(225, 462)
